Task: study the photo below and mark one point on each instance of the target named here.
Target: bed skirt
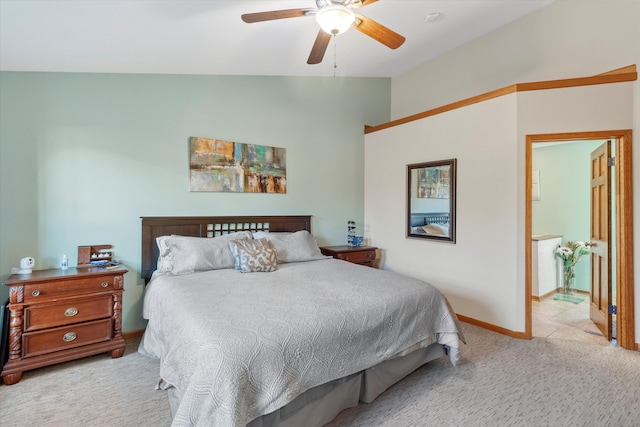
(323, 403)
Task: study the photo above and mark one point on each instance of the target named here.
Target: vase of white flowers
(571, 254)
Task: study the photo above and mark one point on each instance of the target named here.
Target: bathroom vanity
(545, 273)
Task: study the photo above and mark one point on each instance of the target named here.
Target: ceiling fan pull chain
(335, 47)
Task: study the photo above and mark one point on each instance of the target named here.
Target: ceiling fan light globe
(335, 19)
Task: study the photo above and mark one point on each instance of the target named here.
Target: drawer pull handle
(104, 284)
(69, 336)
(71, 311)
(35, 293)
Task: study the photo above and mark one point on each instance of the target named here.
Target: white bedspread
(241, 345)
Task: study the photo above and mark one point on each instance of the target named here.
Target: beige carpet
(95, 391)
(500, 382)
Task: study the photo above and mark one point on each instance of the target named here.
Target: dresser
(363, 255)
(60, 315)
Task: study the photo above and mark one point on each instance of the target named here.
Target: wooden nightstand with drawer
(363, 255)
(60, 315)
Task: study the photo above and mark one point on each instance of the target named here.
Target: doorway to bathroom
(561, 218)
(558, 209)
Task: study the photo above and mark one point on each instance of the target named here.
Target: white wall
(483, 274)
(566, 39)
(478, 273)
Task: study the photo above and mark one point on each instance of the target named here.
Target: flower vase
(569, 278)
(568, 292)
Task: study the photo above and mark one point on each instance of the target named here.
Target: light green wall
(564, 205)
(84, 156)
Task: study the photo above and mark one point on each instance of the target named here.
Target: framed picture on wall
(433, 182)
(431, 200)
(227, 166)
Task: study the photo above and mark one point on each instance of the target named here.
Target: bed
(430, 223)
(292, 345)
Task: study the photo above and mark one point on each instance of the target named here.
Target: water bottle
(64, 264)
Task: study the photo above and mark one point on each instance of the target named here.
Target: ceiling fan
(334, 17)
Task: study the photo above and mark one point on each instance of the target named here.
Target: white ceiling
(208, 36)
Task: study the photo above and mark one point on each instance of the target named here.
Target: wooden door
(600, 295)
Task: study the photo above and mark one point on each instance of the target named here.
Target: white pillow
(164, 256)
(293, 247)
(436, 229)
(191, 254)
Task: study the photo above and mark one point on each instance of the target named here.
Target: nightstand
(363, 255)
(60, 315)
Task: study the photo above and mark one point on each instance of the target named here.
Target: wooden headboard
(420, 219)
(208, 226)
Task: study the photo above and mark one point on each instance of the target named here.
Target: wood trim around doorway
(624, 243)
(624, 228)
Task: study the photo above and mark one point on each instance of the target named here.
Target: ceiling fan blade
(275, 14)
(378, 32)
(319, 48)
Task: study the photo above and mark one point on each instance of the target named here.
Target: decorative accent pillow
(191, 254)
(256, 243)
(254, 255)
(436, 229)
(294, 247)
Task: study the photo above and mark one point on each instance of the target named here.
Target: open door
(602, 259)
(600, 295)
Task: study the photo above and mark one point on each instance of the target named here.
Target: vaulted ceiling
(208, 36)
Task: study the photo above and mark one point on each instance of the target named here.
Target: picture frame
(217, 165)
(434, 182)
(431, 200)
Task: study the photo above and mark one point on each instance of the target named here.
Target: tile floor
(564, 320)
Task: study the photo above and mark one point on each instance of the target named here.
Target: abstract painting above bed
(227, 166)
